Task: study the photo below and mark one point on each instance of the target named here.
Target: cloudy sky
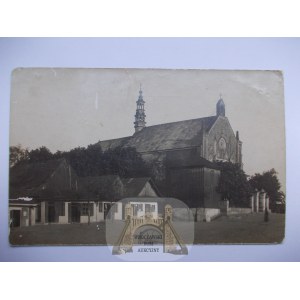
(65, 108)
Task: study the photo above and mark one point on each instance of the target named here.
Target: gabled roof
(168, 136)
(174, 135)
(106, 187)
(112, 187)
(134, 186)
(33, 174)
(26, 178)
(112, 144)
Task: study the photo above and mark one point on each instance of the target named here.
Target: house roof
(30, 180)
(133, 186)
(26, 178)
(23, 202)
(112, 187)
(106, 187)
(168, 136)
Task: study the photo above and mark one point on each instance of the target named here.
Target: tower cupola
(140, 116)
(221, 107)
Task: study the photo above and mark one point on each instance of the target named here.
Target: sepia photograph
(146, 160)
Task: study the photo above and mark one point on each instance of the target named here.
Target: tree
(233, 184)
(270, 183)
(17, 154)
(91, 161)
(40, 155)
(125, 162)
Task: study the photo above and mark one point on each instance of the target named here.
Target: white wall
(43, 212)
(64, 219)
(32, 219)
(118, 215)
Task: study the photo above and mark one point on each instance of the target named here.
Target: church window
(222, 148)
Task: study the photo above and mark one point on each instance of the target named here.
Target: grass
(235, 229)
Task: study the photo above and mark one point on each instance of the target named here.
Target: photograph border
(143, 53)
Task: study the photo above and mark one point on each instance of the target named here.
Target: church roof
(111, 144)
(188, 158)
(168, 136)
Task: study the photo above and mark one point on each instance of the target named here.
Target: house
(23, 212)
(48, 184)
(51, 192)
(107, 191)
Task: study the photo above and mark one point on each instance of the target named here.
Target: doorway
(107, 212)
(51, 212)
(75, 213)
(15, 216)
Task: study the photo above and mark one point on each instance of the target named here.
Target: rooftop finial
(221, 107)
(140, 116)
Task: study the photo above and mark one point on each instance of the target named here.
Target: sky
(66, 108)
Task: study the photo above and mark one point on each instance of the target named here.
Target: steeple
(140, 116)
(221, 107)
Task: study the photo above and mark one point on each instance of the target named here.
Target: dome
(221, 108)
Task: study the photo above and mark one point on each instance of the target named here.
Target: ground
(249, 228)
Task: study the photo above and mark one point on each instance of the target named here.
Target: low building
(51, 192)
(23, 212)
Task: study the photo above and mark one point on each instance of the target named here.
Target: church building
(183, 154)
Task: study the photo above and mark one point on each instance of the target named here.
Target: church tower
(140, 116)
(221, 107)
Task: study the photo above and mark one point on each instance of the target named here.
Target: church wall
(186, 184)
(221, 142)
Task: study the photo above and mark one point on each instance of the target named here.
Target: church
(182, 154)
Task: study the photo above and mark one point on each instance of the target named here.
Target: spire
(221, 107)
(140, 116)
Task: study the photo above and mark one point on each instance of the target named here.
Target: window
(147, 208)
(135, 209)
(152, 208)
(100, 204)
(85, 209)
